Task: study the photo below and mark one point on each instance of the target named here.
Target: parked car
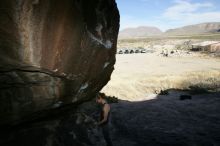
(131, 51)
(143, 50)
(126, 52)
(120, 52)
(137, 51)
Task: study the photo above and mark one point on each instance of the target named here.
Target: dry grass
(137, 77)
(140, 86)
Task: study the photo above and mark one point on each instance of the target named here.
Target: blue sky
(167, 14)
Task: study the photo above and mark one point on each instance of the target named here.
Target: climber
(104, 117)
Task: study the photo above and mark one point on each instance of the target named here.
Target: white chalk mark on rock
(106, 64)
(107, 44)
(99, 29)
(83, 87)
(55, 70)
(58, 104)
(63, 74)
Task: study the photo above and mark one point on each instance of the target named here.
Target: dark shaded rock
(54, 53)
(199, 90)
(163, 121)
(73, 128)
(164, 92)
(185, 97)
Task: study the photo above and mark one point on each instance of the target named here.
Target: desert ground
(149, 86)
(142, 76)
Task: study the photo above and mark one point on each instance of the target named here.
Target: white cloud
(187, 12)
(180, 13)
(184, 7)
(184, 12)
(202, 17)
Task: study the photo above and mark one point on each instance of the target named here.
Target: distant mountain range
(196, 29)
(144, 31)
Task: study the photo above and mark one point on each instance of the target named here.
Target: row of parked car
(131, 51)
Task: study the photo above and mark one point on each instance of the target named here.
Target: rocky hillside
(53, 55)
(142, 31)
(195, 29)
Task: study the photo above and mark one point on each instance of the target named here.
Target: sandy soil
(138, 76)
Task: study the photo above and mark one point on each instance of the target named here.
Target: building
(215, 48)
(206, 46)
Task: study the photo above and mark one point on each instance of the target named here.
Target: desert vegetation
(143, 76)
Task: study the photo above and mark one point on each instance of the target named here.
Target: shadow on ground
(163, 121)
(168, 121)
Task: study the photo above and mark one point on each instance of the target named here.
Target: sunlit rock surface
(53, 53)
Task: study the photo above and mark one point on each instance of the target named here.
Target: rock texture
(53, 53)
(74, 128)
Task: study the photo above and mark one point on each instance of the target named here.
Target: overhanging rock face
(54, 53)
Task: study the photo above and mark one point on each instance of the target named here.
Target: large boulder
(72, 128)
(53, 53)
